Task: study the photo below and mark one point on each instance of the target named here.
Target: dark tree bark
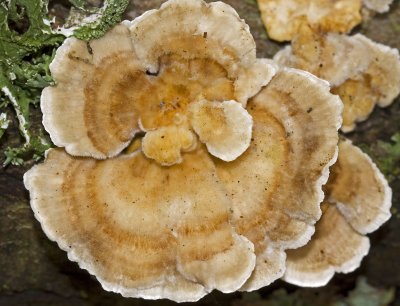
(34, 271)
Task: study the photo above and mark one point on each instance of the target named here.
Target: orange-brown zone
(179, 83)
(313, 54)
(213, 121)
(358, 98)
(117, 250)
(316, 148)
(340, 177)
(120, 93)
(255, 226)
(345, 15)
(311, 51)
(354, 183)
(338, 16)
(106, 108)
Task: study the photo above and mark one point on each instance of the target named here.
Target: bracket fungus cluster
(284, 18)
(357, 202)
(186, 164)
(363, 73)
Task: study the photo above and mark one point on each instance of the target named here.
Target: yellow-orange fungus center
(163, 99)
(154, 100)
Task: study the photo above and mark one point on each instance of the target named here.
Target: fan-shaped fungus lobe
(204, 203)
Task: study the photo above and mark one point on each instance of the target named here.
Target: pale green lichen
(366, 295)
(27, 46)
(3, 123)
(81, 5)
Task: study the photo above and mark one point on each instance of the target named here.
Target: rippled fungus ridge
(363, 74)
(358, 201)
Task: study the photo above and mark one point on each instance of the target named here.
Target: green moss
(24, 29)
(394, 23)
(109, 15)
(80, 4)
(27, 47)
(252, 2)
(386, 155)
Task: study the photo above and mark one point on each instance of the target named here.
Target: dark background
(34, 271)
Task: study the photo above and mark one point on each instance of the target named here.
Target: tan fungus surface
(225, 127)
(165, 145)
(138, 226)
(363, 73)
(294, 137)
(169, 220)
(359, 203)
(300, 120)
(335, 247)
(147, 81)
(380, 6)
(360, 190)
(284, 18)
(84, 112)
